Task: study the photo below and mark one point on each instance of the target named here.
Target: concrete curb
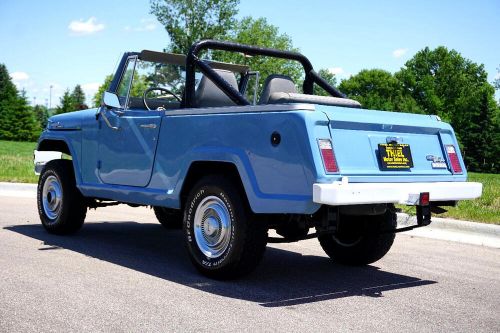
(440, 228)
(18, 190)
(453, 225)
(454, 230)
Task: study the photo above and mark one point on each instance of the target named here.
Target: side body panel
(276, 178)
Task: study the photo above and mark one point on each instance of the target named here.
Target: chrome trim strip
(242, 109)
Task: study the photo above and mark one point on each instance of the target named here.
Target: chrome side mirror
(111, 100)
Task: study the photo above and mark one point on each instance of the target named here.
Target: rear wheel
(169, 218)
(223, 237)
(358, 240)
(61, 206)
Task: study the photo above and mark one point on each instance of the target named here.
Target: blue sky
(64, 43)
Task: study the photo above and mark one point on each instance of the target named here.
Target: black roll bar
(192, 61)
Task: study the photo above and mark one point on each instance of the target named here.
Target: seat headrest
(276, 83)
(209, 95)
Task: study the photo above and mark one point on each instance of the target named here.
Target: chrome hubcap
(52, 197)
(212, 227)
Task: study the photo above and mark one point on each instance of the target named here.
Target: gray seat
(276, 83)
(209, 95)
(284, 98)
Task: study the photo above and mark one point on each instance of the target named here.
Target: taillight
(424, 199)
(329, 161)
(453, 158)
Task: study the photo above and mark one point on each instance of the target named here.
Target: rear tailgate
(378, 146)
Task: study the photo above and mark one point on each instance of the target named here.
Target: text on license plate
(395, 156)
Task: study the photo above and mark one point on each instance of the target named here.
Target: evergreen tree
(41, 114)
(8, 96)
(78, 97)
(66, 103)
(17, 121)
(26, 127)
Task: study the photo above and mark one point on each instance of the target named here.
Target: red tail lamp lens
(424, 199)
(453, 157)
(329, 161)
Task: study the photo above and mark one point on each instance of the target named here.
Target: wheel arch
(54, 145)
(62, 146)
(200, 169)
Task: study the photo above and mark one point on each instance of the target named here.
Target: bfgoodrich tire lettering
(61, 206)
(223, 237)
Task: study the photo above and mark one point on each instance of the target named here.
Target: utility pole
(50, 97)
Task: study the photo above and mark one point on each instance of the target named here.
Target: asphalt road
(124, 272)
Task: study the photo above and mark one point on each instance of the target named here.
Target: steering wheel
(160, 89)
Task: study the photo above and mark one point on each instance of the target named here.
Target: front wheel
(223, 237)
(360, 240)
(61, 206)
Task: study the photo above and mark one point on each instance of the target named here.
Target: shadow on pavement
(283, 278)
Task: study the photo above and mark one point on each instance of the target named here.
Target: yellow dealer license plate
(395, 156)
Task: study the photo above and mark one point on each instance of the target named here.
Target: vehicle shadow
(284, 278)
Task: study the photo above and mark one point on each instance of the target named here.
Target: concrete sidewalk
(18, 190)
(440, 228)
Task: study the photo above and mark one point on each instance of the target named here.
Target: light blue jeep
(180, 134)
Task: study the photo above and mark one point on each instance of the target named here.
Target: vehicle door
(128, 135)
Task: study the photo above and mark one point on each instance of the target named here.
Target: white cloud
(336, 70)
(19, 76)
(398, 53)
(146, 25)
(497, 77)
(82, 27)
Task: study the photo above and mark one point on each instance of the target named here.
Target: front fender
(57, 142)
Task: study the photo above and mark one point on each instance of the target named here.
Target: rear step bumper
(344, 193)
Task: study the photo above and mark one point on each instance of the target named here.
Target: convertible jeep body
(227, 160)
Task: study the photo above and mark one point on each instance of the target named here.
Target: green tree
(496, 83)
(378, 89)
(329, 77)
(17, 121)
(41, 115)
(66, 103)
(78, 97)
(455, 88)
(8, 97)
(259, 32)
(189, 21)
(97, 100)
(439, 80)
(26, 127)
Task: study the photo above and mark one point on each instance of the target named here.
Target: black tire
(169, 218)
(359, 241)
(61, 206)
(213, 202)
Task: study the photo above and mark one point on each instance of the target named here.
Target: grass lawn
(16, 162)
(16, 165)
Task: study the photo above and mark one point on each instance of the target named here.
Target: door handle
(148, 126)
